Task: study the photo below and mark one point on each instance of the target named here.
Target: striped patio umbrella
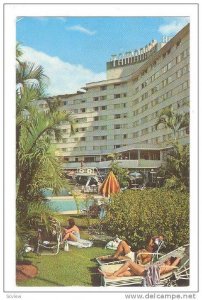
(110, 185)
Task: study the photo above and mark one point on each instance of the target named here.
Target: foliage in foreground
(138, 215)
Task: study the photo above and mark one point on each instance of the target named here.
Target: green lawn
(76, 267)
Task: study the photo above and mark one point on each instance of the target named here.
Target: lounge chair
(168, 279)
(155, 256)
(49, 240)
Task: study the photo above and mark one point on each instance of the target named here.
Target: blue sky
(74, 50)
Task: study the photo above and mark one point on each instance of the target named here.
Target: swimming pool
(48, 192)
(68, 205)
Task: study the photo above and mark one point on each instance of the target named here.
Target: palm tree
(176, 168)
(173, 120)
(36, 164)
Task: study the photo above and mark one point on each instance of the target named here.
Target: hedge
(136, 215)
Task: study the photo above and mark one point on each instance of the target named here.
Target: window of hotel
(103, 88)
(144, 84)
(154, 102)
(136, 123)
(96, 148)
(136, 101)
(185, 69)
(169, 65)
(117, 116)
(124, 115)
(100, 138)
(157, 74)
(103, 97)
(180, 57)
(185, 85)
(117, 126)
(103, 147)
(125, 136)
(95, 128)
(145, 95)
(95, 98)
(117, 146)
(119, 105)
(83, 110)
(154, 89)
(65, 102)
(136, 112)
(124, 95)
(96, 118)
(81, 120)
(96, 108)
(82, 138)
(179, 73)
(103, 107)
(117, 96)
(89, 159)
(164, 69)
(145, 107)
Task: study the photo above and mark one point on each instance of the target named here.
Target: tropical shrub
(139, 214)
(120, 173)
(176, 167)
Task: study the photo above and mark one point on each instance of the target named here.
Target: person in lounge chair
(133, 269)
(124, 251)
(144, 256)
(72, 232)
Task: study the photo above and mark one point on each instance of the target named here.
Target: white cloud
(175, 25)
(64, 77)
(81, 29)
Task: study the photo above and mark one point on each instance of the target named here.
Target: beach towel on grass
(113, 245)
(81, 243)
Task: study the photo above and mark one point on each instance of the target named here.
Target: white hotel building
(118, 115)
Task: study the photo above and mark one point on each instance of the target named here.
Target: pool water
(46, 192)
(66, 205)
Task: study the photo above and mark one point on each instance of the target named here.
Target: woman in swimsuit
(131, 269)
(72, 233)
